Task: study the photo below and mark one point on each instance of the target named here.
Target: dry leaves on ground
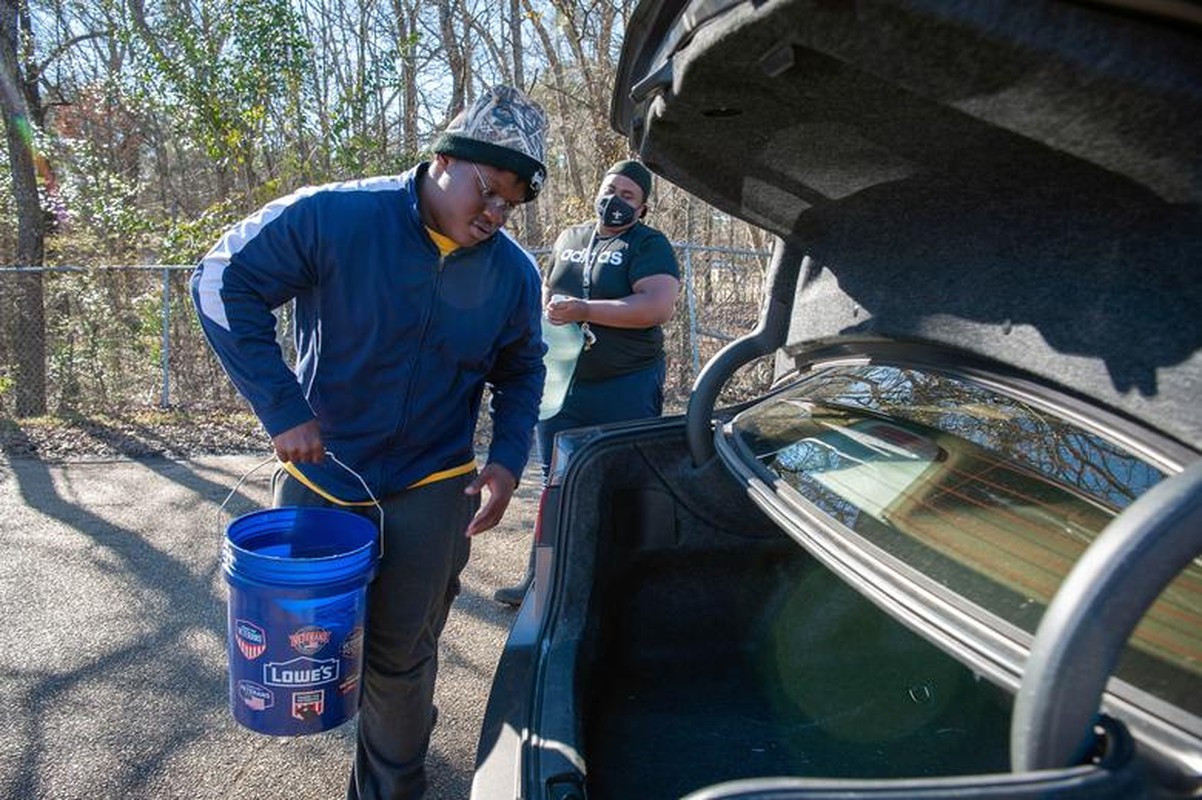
(142, 434)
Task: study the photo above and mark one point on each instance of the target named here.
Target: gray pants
(425, 549)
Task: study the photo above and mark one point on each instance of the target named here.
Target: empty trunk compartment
(716, 648)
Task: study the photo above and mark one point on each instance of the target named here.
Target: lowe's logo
(301, 671)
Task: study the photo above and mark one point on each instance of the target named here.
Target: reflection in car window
(985, 494)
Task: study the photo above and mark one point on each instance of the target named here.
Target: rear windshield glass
(988, 496)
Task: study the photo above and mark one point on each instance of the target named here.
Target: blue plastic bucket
(297, 612)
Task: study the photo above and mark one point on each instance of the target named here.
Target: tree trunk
(409, 138)
(565, 126)
(531, 223)
(456, 59)
(26, 322)
(578, 28)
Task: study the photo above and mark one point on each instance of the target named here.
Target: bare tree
(563, 115)
(406, 19)
(457, 60)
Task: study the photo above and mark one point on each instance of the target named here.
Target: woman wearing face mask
(617, 278)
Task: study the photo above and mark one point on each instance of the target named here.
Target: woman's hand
(562, 310)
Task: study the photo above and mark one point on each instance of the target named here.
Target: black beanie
(636, 172)
(502, 128)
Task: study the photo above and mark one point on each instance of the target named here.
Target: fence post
(692, 303)
(165, 396)
(690, 293)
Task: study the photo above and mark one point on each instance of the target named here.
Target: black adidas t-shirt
(618, 262)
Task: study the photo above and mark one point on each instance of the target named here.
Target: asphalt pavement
(113, 677)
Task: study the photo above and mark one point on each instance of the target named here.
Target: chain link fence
(122, 337)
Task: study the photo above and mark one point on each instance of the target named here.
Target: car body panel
(1008, 193)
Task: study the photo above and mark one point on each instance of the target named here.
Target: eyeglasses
(492, 199)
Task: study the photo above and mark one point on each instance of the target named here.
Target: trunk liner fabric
(819, 683)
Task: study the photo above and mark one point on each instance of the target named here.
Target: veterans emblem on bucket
(352, 645)
(252, 640)
(309, 639)
(256, 697)
(307, 705)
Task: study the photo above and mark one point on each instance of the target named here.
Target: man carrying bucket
(409, 298)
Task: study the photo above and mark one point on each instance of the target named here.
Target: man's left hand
(501, 484)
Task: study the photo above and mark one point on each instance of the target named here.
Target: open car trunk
(983, 188)
(714, 648)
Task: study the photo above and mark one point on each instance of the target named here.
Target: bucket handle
(337, 461)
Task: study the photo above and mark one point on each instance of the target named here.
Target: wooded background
(137, 130)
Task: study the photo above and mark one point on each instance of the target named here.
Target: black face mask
(614, 212)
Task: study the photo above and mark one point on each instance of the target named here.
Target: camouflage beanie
(502, 128)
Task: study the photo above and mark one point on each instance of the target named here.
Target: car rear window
(987, 495)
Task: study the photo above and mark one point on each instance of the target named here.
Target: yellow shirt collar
(445, 245)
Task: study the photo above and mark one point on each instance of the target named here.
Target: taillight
(564, 446)
(538, 518)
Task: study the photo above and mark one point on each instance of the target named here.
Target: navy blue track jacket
(394, 342)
